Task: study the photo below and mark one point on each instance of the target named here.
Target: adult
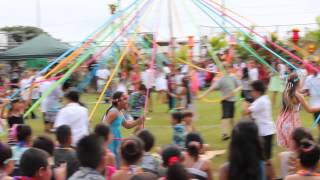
(115, 118)
(75, 115)
(102, 76)
(253, 71)
(228, 86)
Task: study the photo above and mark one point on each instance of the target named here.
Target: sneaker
(225, 137)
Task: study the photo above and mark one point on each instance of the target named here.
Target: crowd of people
(77, 152)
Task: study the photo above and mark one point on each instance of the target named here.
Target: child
(103, 131)
(15, 113)
(187, 119)
(149, 163)
(34, 165)
(179, 130)
(64, 152)
(6, 162)
(136, 103)
(131, 151)
(91, 155)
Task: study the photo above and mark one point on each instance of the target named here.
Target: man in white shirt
(261, 113)
(102, 76)
(74, 115)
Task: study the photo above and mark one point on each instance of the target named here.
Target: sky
(73, 20)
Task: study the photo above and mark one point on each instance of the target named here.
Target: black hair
(148, 138)
(245, 73)
(258, 86)
(309, 154)
(245, 152)
(142, 87)
(177, 116)
(193, 141)
(5, 154)
(299, 134)
(90, 150)
(177, 172)
(45, 143)
(102, 131)
(63, 133)
(23, 132)
(115, 99)
(168, 152)
(144, 176)
(74, 96)
(32, 160)
(131, 150)
(187, 114)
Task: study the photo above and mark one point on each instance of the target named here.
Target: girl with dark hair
(289, 118)
(309, 155)
(115, 118)
(6, 162)
(172, 158)
(131, 151)
(246, 160)
(75, 115)
(199, 168)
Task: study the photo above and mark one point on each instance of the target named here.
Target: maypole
(172, 39)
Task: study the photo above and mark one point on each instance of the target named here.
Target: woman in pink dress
(289, 118)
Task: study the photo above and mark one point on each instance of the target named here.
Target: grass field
(208, 124)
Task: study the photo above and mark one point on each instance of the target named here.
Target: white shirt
(148, 78)
(253, 74)
(312, 84)
(261, 112)
(24, 84)
(52, 101)
(77, 118)
(103, 74)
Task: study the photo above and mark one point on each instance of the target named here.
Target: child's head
(298, 135)
(24, 133)
(72, 96)
(64, 135)
(44, 143)
(194, 144)
(143, 89)
(34, 163)
(176, 118)
(131, 150)
(148, 138)
(187, 117)
(6, 162)
(309, 154)
(119, 100)
(90, 152)
(170, 155)
(103, 131)
(258, 89)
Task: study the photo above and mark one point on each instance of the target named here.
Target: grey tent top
(38, 47)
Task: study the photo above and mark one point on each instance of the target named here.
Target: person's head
(131, 150)
(147, 138)
(119, 100)
(144, 176)
(24, 134)
(245, 152)
(187, 117)
(298, 135)
(142, 89)
(17, 105)
(309, 154)
(257, 89)
(228, 67)
(90, 152)
(103, 131)
(245, 73)
(194, 144)
(72, 96)
(6, 161)
(44, 143)
(176, 118)
(64, 135)
(34, 163)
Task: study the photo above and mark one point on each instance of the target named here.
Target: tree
(314, 35)
(22, 33)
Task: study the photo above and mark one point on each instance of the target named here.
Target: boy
(136, 104)
(179, 130)
(64, 152)
(91, 154)
(34, 164)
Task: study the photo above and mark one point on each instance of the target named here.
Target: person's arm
(128, 124)
(305, 105)
(213, 86)
(208, 169)
(110, 117)
(223, 173)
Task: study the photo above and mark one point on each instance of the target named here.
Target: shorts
(228, 109)
(267, 146)
(50, 117)
(315, 115)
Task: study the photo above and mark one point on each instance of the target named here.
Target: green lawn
(207, 125)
